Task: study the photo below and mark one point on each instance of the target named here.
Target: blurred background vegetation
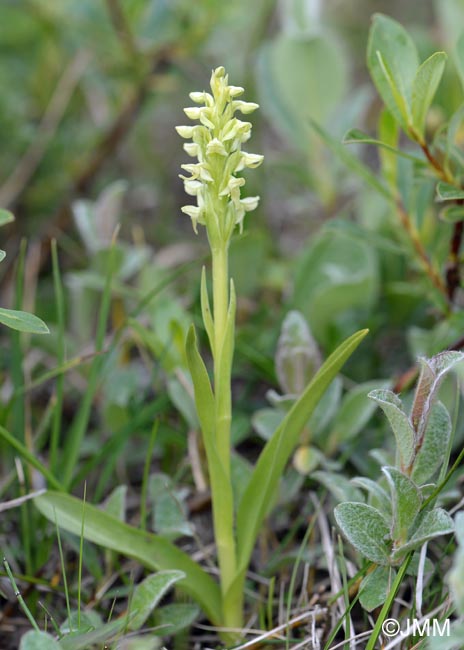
(91, 93)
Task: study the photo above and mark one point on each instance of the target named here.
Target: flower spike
(216, 143)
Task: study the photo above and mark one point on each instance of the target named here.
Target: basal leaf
(406, 502)
(259, 494)
(393, 61)
(393, 409)
(424, 88)
(435, 443)
(22, 322)
(152, 551)
(148, 594)
(366, 529)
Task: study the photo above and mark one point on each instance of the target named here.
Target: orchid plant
(216, 142)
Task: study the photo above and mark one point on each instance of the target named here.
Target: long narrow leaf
(261, 489)
(152, 551)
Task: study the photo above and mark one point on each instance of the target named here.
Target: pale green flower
(216, 143)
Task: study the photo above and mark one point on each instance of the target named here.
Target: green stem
(223, 316)
(222, 379)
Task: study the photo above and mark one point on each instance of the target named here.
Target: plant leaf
(393, 62)
(297, 357)
(339, 486)
(261, 489)
(452, 214)
(354, 412)
(447, 192)
(206, 310)
(34, 640)
(424, 88)
(22, 321)
(292, 78)
(381, 499)
(375, 587)
(148, 594)
(76, 641)
(204, 398)
(434, 445)
(399, 421)
(173, 618)
(152, 551)
(366, 529)
(5, 217)
(434, 523)
(433, 371)
(406, 502)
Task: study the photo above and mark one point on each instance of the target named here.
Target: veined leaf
(148, 594)
(424, 88)
(399, 421)
(259, 494)
(375, 587)
(406, 501)
(378, 494)
(23, 322)
(433, 371)
(434, 445)
(436, 522)
(393, 61)
(366, 529)
(447, 192)
(152, 551)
